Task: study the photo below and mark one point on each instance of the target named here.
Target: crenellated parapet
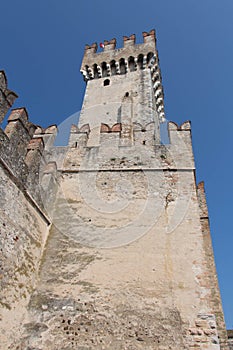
(119, 198)
(19, 130)
(23, 144)
(131, 58)
(47, 134)
(24, 221)
(14, 142)
(117, 146)
(7, 97)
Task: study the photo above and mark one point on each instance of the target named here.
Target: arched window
(140, 61)
(150, 59)
(122, 66)
(131, 64)
(95, 70)
(104, 69)
(106, 82)
(113, 67)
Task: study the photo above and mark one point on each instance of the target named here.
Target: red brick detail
(85, 128)
(36, 143)
(105, 128)
(18, 113)
(131, 38)
(150, 33)
(110, 43)
(116, 127)
(92, 48)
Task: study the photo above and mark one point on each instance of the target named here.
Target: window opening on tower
(104, 70)
(113, 67)
(140, 61)
(106, 82)
(131, 64)
(95, 71)
(150, 58)
(122, 66)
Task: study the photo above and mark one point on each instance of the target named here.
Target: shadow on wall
(64, 129)
(164, 133)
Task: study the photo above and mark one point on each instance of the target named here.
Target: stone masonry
(105, 243)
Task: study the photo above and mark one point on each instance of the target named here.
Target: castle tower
(124, 86)
(128, 262)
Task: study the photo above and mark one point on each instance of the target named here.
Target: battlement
(112, 62)
(22, 144)
(7, 97)
(110, 45)
(105, 242)
(47, 134)
(88, 147)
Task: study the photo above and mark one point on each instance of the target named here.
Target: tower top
(127, 40)
(111, 54)
(130, 58)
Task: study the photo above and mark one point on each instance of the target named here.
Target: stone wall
(24, 229)
(125, 264)
(124, 260)
(24, 225)
(7, 97)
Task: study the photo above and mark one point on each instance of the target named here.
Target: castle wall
(24, 225)
(126, 261)
(24, 230)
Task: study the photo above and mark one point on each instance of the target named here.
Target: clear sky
(42, 44)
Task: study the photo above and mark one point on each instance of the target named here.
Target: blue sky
(42, 45)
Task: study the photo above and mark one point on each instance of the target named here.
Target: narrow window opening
(150, 58)
(113, 67)
(140, 61)
(96, 75)
(104, 70)
(106, 82)
(122, 66)
(87, 69)
(131, 64)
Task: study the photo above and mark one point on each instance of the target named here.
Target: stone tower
(113, 250)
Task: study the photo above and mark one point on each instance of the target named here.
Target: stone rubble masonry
(105, 243)
(24, 225)
(7, 97)
(211, 279)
